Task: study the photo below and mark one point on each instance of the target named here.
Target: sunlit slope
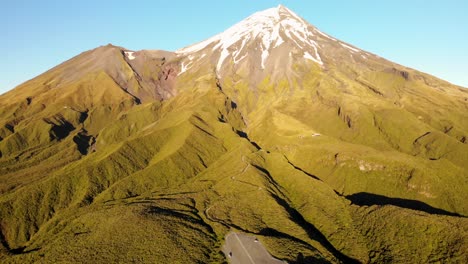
(186, 162)
(356, 141)
(327, 153)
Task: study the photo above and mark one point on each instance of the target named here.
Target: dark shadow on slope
(204, 130)
(14, 251)
(268, 177)
(263, 170)
(10, 127)
(22, 250)
(242, 134)
(301, 170)
(305, 172)
(3, 241)
(275, 233)
(136, 99)
(300, 258)
(313, 232)
(233, 105)
(61, 128)
(83, 116)
(83, 142)
(368, 199)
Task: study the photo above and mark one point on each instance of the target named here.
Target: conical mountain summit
(268, 41)
(324, 152)
(258, 36)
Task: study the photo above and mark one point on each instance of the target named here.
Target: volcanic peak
(268, 29)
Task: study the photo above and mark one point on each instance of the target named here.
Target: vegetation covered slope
(108, 158)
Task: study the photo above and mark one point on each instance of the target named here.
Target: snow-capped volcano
(273, 31)
(350, 158)
(271, 27)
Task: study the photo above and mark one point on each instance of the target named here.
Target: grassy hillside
(320, 167)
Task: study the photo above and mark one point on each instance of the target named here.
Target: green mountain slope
(154, 156)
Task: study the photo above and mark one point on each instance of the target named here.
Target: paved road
(245, 249)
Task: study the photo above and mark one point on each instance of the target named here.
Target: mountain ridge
(160, 154)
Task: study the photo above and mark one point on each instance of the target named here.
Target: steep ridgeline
(327, 153)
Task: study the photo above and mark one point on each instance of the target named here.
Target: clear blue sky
(428, 35)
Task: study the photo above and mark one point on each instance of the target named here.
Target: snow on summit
(130, 55)
(263, 31)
